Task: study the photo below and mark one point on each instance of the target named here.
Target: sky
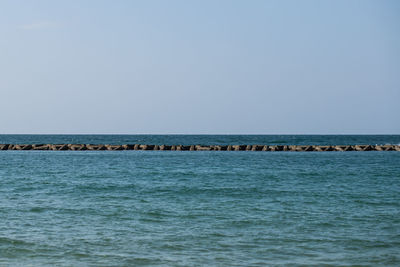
(200, 67)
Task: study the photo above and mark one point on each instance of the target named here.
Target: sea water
(199, 208)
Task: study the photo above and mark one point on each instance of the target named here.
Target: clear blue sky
(234, 67)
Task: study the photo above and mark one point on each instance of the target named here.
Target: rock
(78, 147)
(83, 147)
(327, 148)
(150, 147)
(75, 147)
(202, 148)
(343, 148)
(322, 148)
(338, 148)
(242, 147)
(317, 148)
(348, 148)
(26, 147)
(48, 147)
(165, 147)
(143, 147)
(309, 148)
(369, 148)
(359, 147)
(236, 148)
(70, 146)
(4, 146)
(92, 147)
(128, 147)
(41, 147)
(256, 148)
(147, 147)
(63, 147)
(385, 148)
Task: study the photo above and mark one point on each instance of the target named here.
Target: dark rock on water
(146, 147)
(165, 147)
(128, 147)
(40, 147)
(291, 148)
(63, 147)
(4, 146)
(92, 147)
(203, 148)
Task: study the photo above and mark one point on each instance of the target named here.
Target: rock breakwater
(298, 148)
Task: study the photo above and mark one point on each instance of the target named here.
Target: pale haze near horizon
(200, 67)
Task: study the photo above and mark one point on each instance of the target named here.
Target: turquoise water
(203, 139)
(201, 208)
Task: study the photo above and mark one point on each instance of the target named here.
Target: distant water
(201, 208)
(203, 139)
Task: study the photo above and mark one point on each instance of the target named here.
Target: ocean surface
(203, 139)
(199, 208)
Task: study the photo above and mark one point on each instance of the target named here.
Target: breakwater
(299, 148)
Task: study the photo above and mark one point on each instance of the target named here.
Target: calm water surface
(203, 139)
(220, 208)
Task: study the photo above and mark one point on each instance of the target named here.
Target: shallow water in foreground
(129, 208)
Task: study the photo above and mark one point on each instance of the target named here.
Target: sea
(200, 208)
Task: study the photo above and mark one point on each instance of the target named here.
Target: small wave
(14, 242)
(37, 209)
